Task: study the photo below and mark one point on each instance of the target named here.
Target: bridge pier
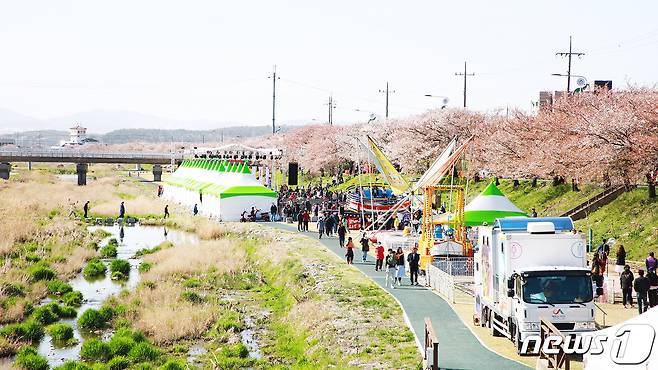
(157, 172)
(5, 170)
(81, 170)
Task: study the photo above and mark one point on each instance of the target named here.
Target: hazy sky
(210, 59)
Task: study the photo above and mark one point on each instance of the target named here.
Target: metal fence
(454, 266)
(442, 282)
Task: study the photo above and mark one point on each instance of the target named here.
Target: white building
(77, 136)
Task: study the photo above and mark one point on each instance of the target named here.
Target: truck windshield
(557, 289)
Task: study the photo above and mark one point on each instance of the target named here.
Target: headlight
(530, 326)
(585, 325)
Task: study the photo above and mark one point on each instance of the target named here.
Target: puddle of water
(95, 292)
(194, 352)
(248, 339)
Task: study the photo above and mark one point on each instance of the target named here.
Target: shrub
(73, 299)
(118, 363)
(191, 296)
(143, 352)
(143, 366)
(95, 319)
(32, 257)
(58, 287)
(46, 314)
(60, 331)
(95, 350)
(12, 290)
(67, 312)
(235, 350)
(173, 365)
(145, 266)
(28, 331)
(121, 266)
(94, 268)
(108, 251)
(73, 365)
(121, 345)
(41, 271)
(28, 359)
(113, 242)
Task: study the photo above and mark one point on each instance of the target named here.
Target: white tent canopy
(220, 189)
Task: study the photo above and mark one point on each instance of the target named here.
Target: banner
(397, 183)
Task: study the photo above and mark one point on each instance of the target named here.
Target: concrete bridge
(83, 158)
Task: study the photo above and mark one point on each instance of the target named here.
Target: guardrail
(602, 311)
(442, 282)
(559, 360)
(455, 266)
(85, 154)
(431, 354)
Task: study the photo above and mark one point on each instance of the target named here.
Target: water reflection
(96, 291)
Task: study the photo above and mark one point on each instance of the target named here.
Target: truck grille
(564, 325)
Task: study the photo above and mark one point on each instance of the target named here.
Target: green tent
(488, 206)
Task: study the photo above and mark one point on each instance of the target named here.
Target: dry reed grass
(73, 263)
(222, 256)
(165, 317)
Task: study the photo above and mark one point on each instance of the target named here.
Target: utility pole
(387, 91)
(331, 109)
(465, 74)
(568, 55)
(274, 78)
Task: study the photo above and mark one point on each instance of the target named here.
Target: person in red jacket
(379, 251)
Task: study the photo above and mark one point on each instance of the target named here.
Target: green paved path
(458, 346)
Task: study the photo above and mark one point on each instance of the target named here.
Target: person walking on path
(341, 235)
(306, 219)
(620, 262)
(641, 286)
(626, 281)
(300, 221)
(85, 209)
(365, 247)
(350, 251)
(320, 226)
(651, 262)
(166, 211)
(195, 210)
(653, 288)
(413, 259)
(273, 213)
(329, 225)
(399, 256)
(391, 269)
(122, 210)
(379, 251)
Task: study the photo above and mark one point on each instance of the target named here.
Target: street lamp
(581, 81)
(444, 100)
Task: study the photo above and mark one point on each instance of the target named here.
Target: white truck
(531, 268)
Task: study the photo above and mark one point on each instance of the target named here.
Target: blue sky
(210, 59)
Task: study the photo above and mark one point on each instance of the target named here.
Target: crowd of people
(644, 284)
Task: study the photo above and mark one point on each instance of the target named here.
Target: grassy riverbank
(303, 307)
(306, 308)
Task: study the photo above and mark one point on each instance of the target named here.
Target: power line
(569, 54)
(465, 74)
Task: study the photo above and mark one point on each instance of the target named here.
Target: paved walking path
(458, 346)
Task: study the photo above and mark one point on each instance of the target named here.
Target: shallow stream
(96, 291)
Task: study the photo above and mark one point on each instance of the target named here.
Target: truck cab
(532, 268)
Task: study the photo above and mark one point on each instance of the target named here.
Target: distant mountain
(123, 136)
(11, 121)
